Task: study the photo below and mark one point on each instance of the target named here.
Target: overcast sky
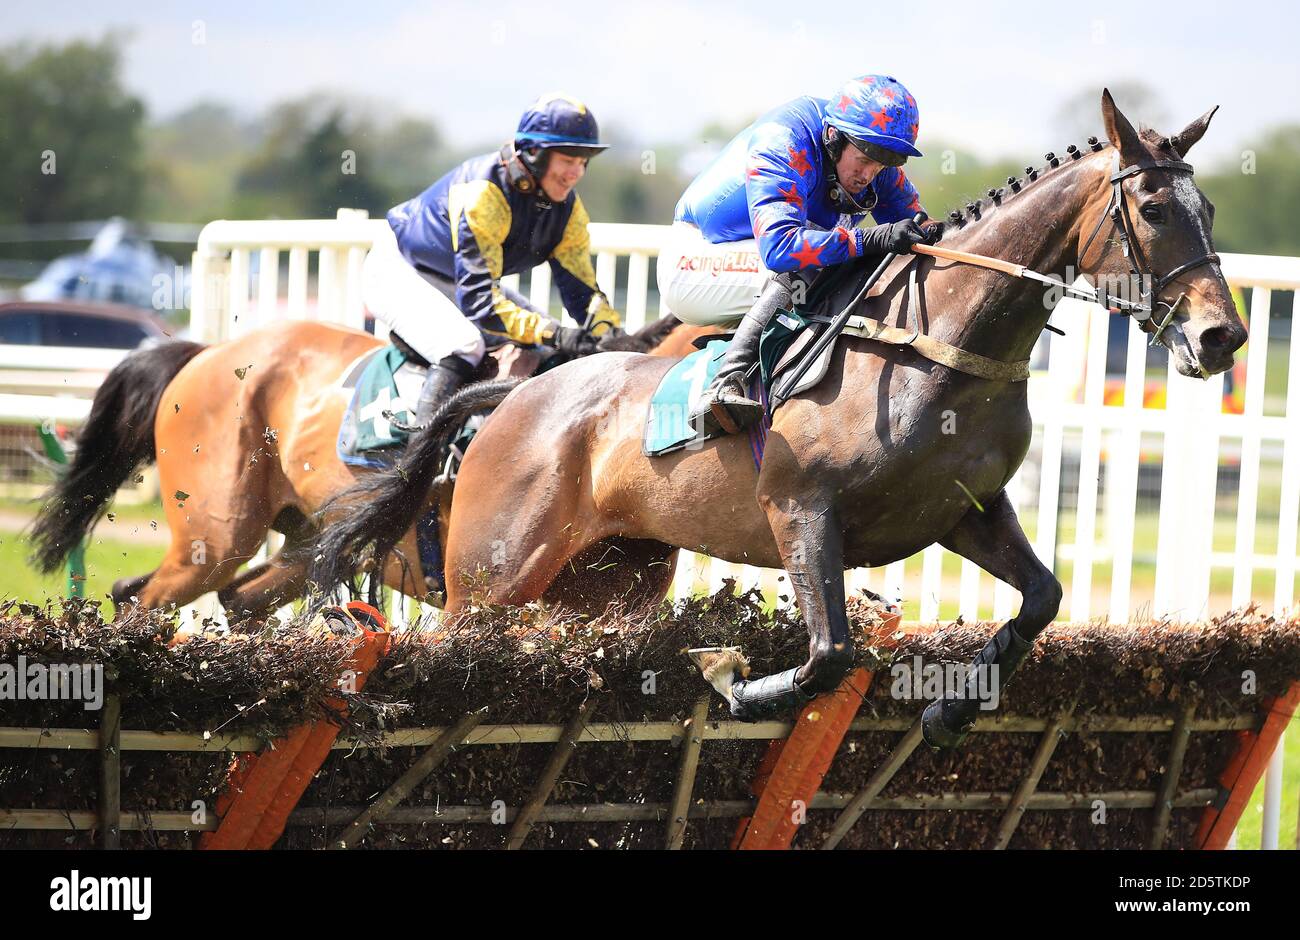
(988, 76)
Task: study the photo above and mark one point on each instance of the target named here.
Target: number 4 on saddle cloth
(786, 339)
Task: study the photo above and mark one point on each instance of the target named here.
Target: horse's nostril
(1221, 339)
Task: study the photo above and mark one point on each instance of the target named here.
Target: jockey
(434, 275)
(783, 200)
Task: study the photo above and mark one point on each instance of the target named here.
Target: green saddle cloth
(364, 428)
(667, 428)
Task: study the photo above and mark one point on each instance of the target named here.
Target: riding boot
(725, 405)
(440, 383)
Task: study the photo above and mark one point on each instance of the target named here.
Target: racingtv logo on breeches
(26, 681)
(103, 893)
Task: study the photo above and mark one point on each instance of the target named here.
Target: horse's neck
(994, 314)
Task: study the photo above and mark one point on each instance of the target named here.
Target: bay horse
(889, 454)
(244, 434)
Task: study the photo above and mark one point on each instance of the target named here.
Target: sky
(988, 77)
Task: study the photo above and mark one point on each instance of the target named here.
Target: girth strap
(962, 360)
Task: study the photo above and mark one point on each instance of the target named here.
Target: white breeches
(415, 309)
(707, 284)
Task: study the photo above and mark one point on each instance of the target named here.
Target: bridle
(1117, 211)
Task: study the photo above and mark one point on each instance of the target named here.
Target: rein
(996, 370)
(1117, 211)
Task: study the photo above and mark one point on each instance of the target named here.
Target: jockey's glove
(897, 237)
(601, 315)
(572, 340)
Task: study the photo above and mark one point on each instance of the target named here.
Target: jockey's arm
(480, 218)
(576, 279)
(777, 192)
(777, 186)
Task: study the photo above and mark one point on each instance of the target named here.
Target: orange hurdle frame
(262, 789)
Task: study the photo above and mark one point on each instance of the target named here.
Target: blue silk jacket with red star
(770, 183)
(472, 226)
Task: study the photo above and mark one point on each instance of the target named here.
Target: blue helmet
(556, 121)
(879, 116)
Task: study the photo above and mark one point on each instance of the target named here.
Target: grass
(1252, 820)
(106, 561)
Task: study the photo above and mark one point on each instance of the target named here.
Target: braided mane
(961, 218)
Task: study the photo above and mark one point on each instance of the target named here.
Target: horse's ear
(1120, 131)
(1193, 132)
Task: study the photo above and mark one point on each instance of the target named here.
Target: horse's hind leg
(200, 560)
(994, 540)
(254, 593)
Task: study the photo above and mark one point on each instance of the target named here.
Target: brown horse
(244, 435)
(889, 454)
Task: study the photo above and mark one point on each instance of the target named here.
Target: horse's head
(1159, 230)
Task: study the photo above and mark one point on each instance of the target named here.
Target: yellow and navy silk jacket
(474, 228)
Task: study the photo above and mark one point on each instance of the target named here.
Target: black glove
(574, 341)
(898, 237)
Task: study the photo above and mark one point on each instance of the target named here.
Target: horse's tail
(380, 507)
(116, 438)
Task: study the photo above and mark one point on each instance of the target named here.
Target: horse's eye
(1153, 214)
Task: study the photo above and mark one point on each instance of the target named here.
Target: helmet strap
(834, 142)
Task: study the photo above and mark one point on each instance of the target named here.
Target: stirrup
(726, 409)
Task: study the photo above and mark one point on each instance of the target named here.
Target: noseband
(1117, 211)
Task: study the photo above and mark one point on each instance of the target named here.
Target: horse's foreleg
(812, 551)
(994, 540)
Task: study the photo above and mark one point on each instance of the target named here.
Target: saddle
(382, 387)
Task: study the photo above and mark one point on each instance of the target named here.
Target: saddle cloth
(788, 341)
(667, 428)
(379, 381)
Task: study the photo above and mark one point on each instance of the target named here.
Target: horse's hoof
(939, 733)
(774, 696)
(720, 666)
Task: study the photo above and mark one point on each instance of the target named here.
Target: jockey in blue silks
(783, 200)
(434, 276)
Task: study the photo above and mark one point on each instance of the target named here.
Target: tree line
(76, 144)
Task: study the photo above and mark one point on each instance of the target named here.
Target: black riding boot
(725, 405)
(440, 383)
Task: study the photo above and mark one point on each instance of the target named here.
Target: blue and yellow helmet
(877, 114)
(557, 121)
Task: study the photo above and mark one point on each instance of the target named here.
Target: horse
(890, 453)
(244, 435)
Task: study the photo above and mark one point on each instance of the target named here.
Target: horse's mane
(973, 212)
(644, 339)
